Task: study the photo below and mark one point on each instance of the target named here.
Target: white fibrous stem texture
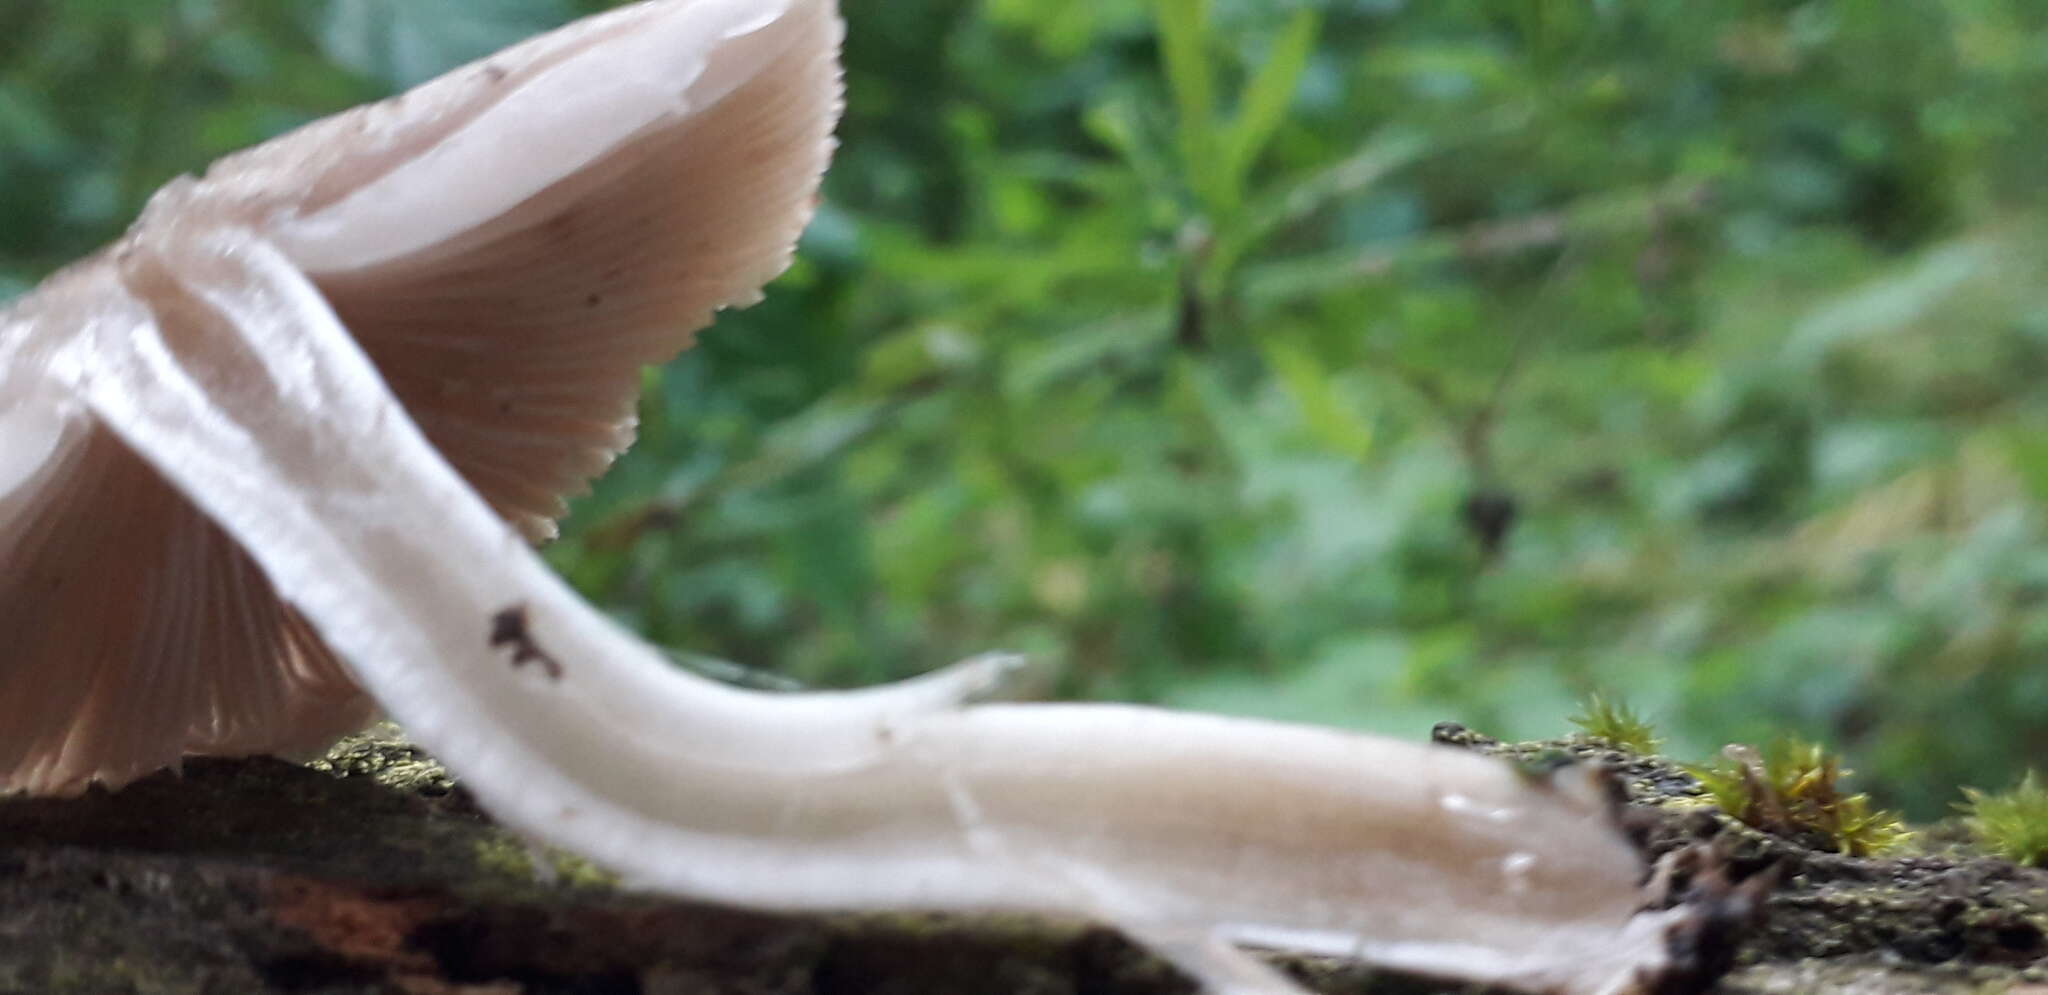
(239, 351)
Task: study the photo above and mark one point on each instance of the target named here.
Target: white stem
(241, 387)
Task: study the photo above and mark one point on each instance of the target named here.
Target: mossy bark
(1933, 917)
(371, 872)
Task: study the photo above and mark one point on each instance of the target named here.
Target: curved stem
(224, 368)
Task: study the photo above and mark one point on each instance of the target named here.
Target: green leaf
(1121, 122)
(1890, 303)
(1263, 107)
(2027, 449)
(1383, 153)
(1184, 46)
(1322, 407)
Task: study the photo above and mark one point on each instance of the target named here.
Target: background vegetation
(1366, 362)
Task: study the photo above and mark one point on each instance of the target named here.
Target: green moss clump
(514, 858)
(2012, 824)
(1613, 722)
(1794, 789)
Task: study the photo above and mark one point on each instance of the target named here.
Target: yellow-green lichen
(1613, 722)
(510, 857)
(1794, 789)
(2012, 823)
(382, 754)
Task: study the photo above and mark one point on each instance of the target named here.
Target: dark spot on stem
(509, 628)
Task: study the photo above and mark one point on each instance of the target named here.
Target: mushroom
(510, 245)
(292, 434)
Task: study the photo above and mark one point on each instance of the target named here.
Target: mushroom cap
(513, 242)
(510, 244)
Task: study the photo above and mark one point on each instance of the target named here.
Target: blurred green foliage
(1369, 362)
